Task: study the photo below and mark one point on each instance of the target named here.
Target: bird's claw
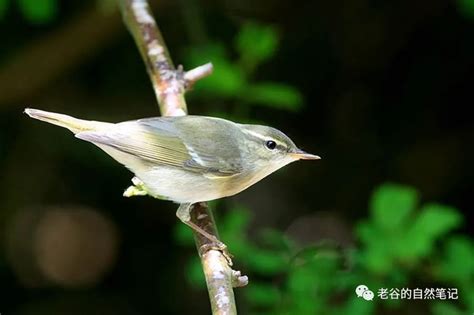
(137, 189)
(219, 246)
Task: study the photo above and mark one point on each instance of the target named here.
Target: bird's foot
(137, 189)
(184, 214)
(219, 246)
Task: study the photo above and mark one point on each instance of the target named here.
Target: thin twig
(170, 85)
(197, 73)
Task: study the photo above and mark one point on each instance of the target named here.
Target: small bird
(186, 159)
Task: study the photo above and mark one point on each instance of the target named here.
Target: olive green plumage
(187, 159)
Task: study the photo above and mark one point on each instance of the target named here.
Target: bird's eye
(270, 144)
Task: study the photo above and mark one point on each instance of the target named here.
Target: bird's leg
(184, 214)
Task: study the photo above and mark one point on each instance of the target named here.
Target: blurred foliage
(3, 7)
(233, 78)
(38, 11)
(396, 249)
(368, 73)
(466, 7)
(45, 11)
(34, 11)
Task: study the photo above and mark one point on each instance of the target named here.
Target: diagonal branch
(170, 85)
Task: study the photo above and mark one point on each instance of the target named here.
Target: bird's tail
(71, 123)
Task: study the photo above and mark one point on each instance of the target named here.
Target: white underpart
(183, 186)
(179, 185)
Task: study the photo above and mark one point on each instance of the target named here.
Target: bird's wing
(157, 141)
(215, 143)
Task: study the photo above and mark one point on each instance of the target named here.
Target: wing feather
(157, 141)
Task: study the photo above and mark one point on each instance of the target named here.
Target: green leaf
(378, 258)
(443, 308)
(305, 305)
(367, 232)
(380, 248)
(458, 263)
(262, 294)
(433, 222)
(314, 271)
(274, 95)
(310, 283)
(300, 281)
(39, 11)
(256, 43)
(392, 204)
(436, 220)
(227, 79)
(358, 306)
(267, 262)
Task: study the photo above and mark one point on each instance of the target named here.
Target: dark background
(387, 88)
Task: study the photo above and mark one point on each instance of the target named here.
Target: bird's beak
(301, 155)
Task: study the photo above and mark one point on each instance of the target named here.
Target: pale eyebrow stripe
(255, 134)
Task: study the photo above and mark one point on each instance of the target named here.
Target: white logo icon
(364, 292)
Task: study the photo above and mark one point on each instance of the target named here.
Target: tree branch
(170, 85)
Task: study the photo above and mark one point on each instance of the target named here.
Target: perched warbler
(186, 159)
